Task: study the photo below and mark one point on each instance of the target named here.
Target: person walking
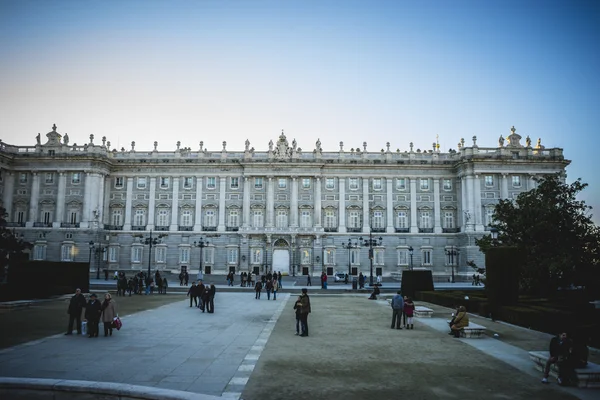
(397, 308)
(109, 313)
(279, 279)
(268, 288)
(76, 306)
(181, 278)
(93, 309)
(193, 294)
(409, 310)
(275, 288)
(165, 285)
(258, 289)
(308, 281)
(298, 308)
(212, 290)
(361, 281)
(304, 311)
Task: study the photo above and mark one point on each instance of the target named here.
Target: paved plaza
(248, 350)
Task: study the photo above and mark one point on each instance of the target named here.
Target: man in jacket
(560, 349)
(304, 311)
(275, 288)
(201, 289)
(92, 315)
(212, 290)
(397, 307)
(76, 305)
(193, 294)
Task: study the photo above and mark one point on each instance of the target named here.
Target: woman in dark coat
(109, 313)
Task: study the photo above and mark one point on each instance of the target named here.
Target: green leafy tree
(11, 246)
(555, 230)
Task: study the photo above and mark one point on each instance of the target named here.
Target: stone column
(198, 214)
(477, 204)
(100, 200)
(222, 189)
(342, 206)
(462, 220)
(7, 195)
(389, 187)
(34, 200)
(414, 228)
(86, 217)
(437, 228)
(128, 204)
(504, 186)
(175, 205)
(294, 203)
(270, 202)
(151, 205)
(470, 203)
(318, 195)
(246, 203)
(106, 217)
(366, 228)
(60, 200)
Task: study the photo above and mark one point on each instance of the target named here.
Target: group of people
(271, 286)
(184, 278)
(403, 310)
(95, 311)
(141, 283)
(204, 293)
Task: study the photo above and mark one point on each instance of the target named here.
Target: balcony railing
(425, 230)
(113, 227)
(378, 230)
(138, 227)
(186, 228)
(450, 230)
(232, 228)
(209, 228)
(402, 230)
(15, 224)
(354, 229)
(69, 225)
(161, 228)
(331, 229)
(42, 224)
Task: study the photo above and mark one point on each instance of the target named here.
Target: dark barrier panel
(41, 279)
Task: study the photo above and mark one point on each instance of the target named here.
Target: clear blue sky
(351, 71)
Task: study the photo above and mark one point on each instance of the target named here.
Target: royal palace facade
(284, 209)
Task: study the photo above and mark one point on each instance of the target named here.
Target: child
(409, 309)
(298, 308)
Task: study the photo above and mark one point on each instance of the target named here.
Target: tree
(555, 232)
(11, 246)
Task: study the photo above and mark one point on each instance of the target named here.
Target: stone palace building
(284, 209)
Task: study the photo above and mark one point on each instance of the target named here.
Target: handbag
(84, 328)
(117, 323)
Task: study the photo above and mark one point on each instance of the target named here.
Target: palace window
(282, 182)
(403, 257)
(516, 181)
(67, 252)
(306, 256)
(233, 218)
(211, 182)
(377, 220)
(424, 184)
(23, 178)
(353, 183)
(256, 256)
(188, 182)
(73, 217)
(354, 220)
(209, 218)
(447, 184)
(119, 181)
(209, 255)
(257, 219)
(305, 183)
(401, 183)
(186, 218)
(378, 257)
(376, 183)
(113, 254)
(329, 256)
(141, 182)
(489, 215)
(76, 178)
(425, 219)
(232, 256)
(305, 220)
(330, 221)
(234, 183)
(489, 180)
(139, 219)
(136, 254)
(258, 183)
(401, 220)
(448, 219)
(164, 182)
(184, 255)
(39, 252)
(426, 256)
(355, 256)
(162, 218)
(329, 183)
(49, 177)
(160, 255)
(281, 221)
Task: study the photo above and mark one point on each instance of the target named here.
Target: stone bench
(588, 377)
(423, 312)
(472, 330)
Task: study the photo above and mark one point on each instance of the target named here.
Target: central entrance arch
(281, 257)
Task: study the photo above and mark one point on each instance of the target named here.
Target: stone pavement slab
(171, 347)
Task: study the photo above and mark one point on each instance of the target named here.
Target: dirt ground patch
(353, 354)
(21, 325)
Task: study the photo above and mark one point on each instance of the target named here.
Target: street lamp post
(410, 252)
(151, 242)
(201, 243)
(349, 246)
(370, 242)
(452, 252)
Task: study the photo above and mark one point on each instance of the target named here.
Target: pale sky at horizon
(351, 71)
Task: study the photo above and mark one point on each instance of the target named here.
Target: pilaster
(175, 205)
(198, 213)
(128, 205)
(60, 200)
(389, 205)
(151, 204)
(222, 194)
(34, 200)
(414, 228)
(318, 207)
(437, 228)
(366, 228)
(342, 206)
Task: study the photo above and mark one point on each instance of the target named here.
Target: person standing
(109, 313)
(93, 309)
(279, 279)
(308, 282)
(268, 288)
(211, 298)
(193, 294)
(205, 298)
(397, 307)
(560, 349)
(201, 289)
(361, 281)
(409, 310)
(304, 311)
(186, 277)
(165, 285)
(181, 276)
(258, 289)
(76, 306)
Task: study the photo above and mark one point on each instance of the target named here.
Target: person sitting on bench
(560, 349)
(460, 321)
(376, 291)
